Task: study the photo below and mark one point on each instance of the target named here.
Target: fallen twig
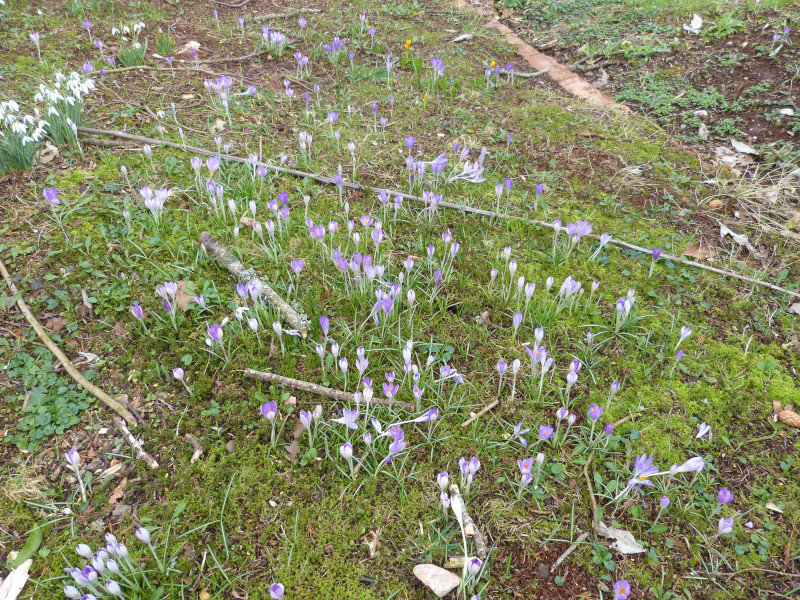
(480, 413)
(292, 12)
(226, 5)
(62, 358)
(467, 209)
(138, 451)
(531, 74)
(228, 261)
(186, 69)
(568, 551)
(469, 525)
(198, 447)
(213, 61)
(103, 143)
(313, 388)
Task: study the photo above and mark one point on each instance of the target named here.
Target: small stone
(440, 581)
(715, 203)
(543, 570)
(701, 113)
(230, 446)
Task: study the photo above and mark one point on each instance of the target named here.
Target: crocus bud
(346, 451)
(72, 592)
(143, 535)
(474, 566)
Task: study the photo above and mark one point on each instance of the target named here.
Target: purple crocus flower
(643, 469)
(51, 195)
(622, 589)
(474, 566)
(409, 142)
(664, 502)
(725, 526)
(269, 410)
(725, 496)
(703, 429)
(545, 432)
(215, 332)
(656, 253)
(595, 412)
(396, 447)
(297, 266)
(678, 356)
(73, 458)
(324, 324)
(136, 311)
(349, 419)
(276, 589)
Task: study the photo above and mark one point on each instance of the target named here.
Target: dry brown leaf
(118, 492)
(247, 221)
(56, 323)
(700, 251)
(372, 541)
(795, 308)
(715, 204)
(48, 154)
(185, 294)
(119, 329)
(204, 595)
(293, 449)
